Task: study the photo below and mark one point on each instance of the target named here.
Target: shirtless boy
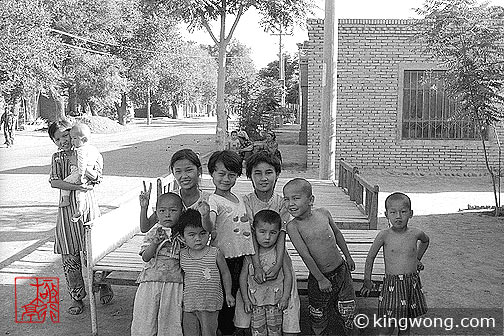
(401, 295)
(316, 238)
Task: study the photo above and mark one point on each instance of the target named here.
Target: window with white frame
(428, 113)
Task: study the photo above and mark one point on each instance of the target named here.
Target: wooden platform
(127, 259)
(327, 195)
(126, 263)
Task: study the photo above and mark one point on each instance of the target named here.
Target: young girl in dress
(204, 266)
(228, 223)
(158, 301)
(186, 169)
(263, 169)
(267, 300)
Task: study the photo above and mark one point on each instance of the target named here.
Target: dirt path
(463, 263)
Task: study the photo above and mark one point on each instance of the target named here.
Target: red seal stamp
(36, 298)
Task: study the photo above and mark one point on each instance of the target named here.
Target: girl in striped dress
(69, 240)
(204, 266)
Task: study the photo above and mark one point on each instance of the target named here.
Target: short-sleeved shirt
(202, 281)
(204, 195)
(269, 292)
(70, 235)
(234, 145)
(165, 265)
(253, 205)
(232, 232)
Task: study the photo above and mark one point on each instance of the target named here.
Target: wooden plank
(125, 262)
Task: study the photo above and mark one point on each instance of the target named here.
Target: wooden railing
(363, 193)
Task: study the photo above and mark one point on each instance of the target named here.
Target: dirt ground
(463, 265)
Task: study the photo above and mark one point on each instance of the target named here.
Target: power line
(85, 39)
(86, 49)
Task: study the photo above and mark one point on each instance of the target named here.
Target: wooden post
(373, 213)
(327, 118)
(90, 279)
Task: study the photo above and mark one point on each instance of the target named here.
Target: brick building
(391, 114)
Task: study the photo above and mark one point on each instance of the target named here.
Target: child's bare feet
(64, 201)
(106, 294)
(76, 308)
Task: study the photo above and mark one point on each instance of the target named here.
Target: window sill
(439, 142)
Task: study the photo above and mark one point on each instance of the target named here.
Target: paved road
(28, 205)
(27, 202)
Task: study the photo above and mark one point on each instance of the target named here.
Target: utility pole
(327, 164)
(281, 65)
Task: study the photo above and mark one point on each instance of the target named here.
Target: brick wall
(371, 54)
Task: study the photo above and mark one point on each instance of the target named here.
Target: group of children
(219, 264)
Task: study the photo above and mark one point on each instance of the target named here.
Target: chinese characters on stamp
(40, 299)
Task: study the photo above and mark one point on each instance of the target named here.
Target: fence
(363, 193)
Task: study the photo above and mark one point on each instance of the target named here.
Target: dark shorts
(402, 296)
(342, 297)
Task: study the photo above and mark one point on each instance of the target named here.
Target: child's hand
(85, 187)
(203, 208)
(230, 300)
(420, 266)
(367, 286)
(284, 211)
(145, 195)
(325, 285)
(160, 235)
(247, 305)
(283, 303)
(272, 273)
(259, 275)
(351, 264)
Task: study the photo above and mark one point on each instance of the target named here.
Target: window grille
(428, 113)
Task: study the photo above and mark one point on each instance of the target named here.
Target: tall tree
(160, 63)
(28, 52)
(272, 71)
(91, 32)
(201, 13)
(468, 40)
(240, 72)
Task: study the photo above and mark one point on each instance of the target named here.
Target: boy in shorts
(401, 296)
(316, 238)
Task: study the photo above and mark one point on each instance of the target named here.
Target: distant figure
(86, 157)
(8, 120)
(401, 296)
(271, 145)
(317, 238)
(234, 143)
(246, 145)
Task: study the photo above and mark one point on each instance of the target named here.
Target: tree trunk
(121, 110)
(148, 106)
(174, 110)
(490, 170)
(92, 110)
(72, 101)
(32, 106)
(59, 103)
(221, 128)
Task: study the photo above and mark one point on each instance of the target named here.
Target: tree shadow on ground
(146, 159)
